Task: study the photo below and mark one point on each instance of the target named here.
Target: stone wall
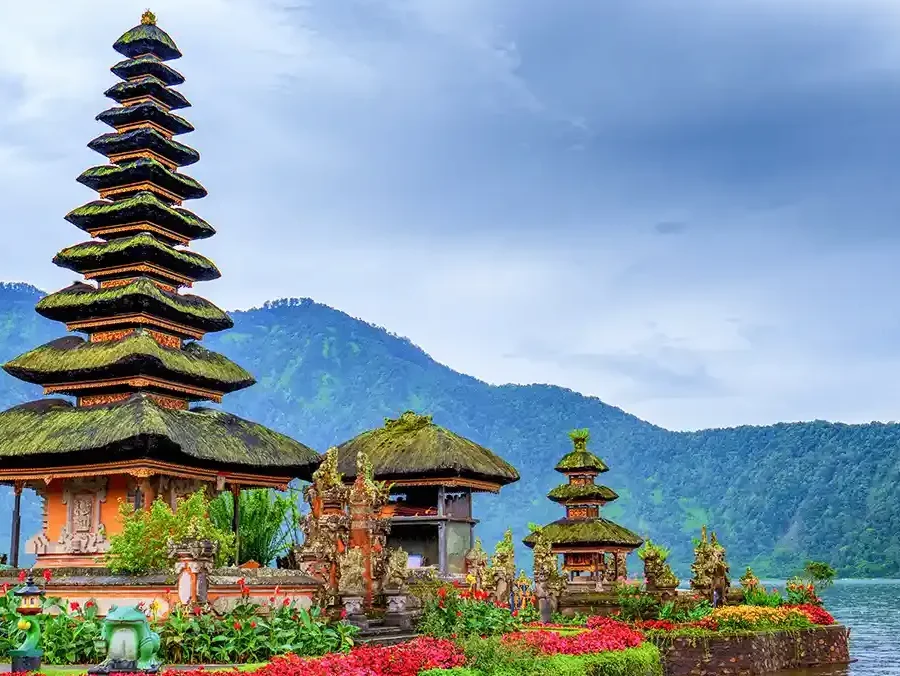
(760, 653)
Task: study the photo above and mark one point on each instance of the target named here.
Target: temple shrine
(137, 371)
(594, 549)
(432, 474)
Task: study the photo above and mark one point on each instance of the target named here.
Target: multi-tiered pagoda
(594, 549)
(133, 432)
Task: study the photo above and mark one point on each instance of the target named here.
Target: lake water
(871, 608)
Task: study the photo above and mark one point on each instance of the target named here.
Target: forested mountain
(776, 495)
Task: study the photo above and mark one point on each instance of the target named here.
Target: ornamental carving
(396, 570)
(476, 565)
(352, 572)
(83, 532)
(710, 569)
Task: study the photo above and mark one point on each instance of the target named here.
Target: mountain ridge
(776, 494)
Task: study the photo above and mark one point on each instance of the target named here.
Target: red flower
(459, 613)
(271, 599)
(74, 606)
(241, 582)
(253, 624)
(343, 613)
(89, 604)
(5, 588)
(22, 575)
(47, 573)
(237, 626)
(167, 591)
(197, 610)
(286, 602)
(442, 592)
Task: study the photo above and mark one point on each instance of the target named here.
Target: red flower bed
(604, 634)
(406, 659)
(816, 614)
(667, 625)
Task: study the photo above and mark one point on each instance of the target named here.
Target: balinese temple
(432, 473)
(133, 427)
(594, 549)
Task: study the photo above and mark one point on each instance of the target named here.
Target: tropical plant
(455, 612)
(143, 544)
(758, 596)
(800, 592)
(264, 525)
(819, 573)
(634, 602)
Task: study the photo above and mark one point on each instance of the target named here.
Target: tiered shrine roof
(134, 376)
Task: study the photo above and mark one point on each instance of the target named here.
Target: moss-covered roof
(145, 206)
(143, 247)
(567, 492)
(584, 460)
(142, 169)
(412, 446)
(82, 301)
(591, 532)
(147, 38)
(147, 85)
(148, 65)
(148, 111)
(135, 140)
(72, 359)
(52, 432)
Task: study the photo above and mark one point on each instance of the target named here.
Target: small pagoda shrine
(432, 474)
(133, 431)
(594, 549)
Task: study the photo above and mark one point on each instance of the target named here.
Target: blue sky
(688, 208)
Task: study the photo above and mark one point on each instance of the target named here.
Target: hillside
(776, 495)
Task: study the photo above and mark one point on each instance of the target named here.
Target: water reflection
(871, 608)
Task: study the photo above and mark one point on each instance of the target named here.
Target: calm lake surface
(871, 608)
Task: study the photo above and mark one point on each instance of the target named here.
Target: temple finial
(148, 18)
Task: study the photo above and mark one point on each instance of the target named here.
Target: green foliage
(651, 548)
(758, 596)
(491, 657)
(447, 614)
(265, 531)
(246, 635)
(635, 603)
(685, 609)
(819, 573)
(142, 546)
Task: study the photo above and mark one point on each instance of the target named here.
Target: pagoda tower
(133, 432)
(594, 549)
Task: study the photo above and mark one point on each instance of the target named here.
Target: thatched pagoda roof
(52, 432)
(413, 447)
(587, 533)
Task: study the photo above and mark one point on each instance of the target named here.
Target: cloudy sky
(688, 208)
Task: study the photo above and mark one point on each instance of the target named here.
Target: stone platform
(755, 654)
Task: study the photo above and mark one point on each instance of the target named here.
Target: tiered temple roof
(137, 371)
(583, 529)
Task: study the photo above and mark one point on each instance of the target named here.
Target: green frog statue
(130, 643)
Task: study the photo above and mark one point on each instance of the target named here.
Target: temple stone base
(763, 653)
(223, 591)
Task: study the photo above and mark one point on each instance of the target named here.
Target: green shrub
(142, 546)
(758, 596)
(454, 612)
(635, 603)
(265, 532)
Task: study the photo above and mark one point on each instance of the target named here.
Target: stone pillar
(236, 522)
(194, 561)
(16, 527)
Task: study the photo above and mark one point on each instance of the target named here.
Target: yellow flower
(24, 625)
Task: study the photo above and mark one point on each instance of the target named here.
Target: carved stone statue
(658, 573)
(352, 572)
(710, 569)
(502, 571)
(476, 565)
(397, 570)
(549, 583)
